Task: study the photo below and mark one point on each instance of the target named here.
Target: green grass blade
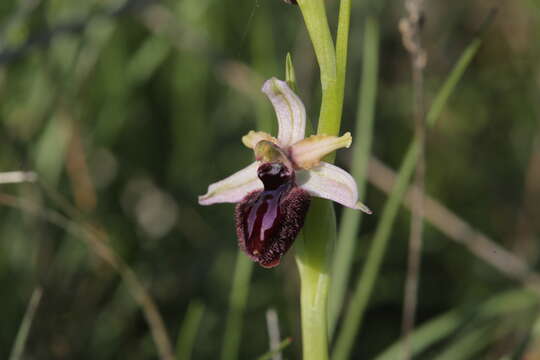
(188, 331)
(343, 256)
(527, 343)
(147, 59)
(426, 335)
(451, 82)
(364, 286)
(342, 40)
(237, 304)
(443, 325)
(270, 354)
(24, 329)
(357, 307)
(468, 345)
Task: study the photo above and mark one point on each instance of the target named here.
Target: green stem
(312, 249)
(319, 234)
(314, 13)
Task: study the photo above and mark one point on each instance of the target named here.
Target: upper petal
(289, 109)
(330, 182)
(233, 188)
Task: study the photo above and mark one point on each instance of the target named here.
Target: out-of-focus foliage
(128, 110)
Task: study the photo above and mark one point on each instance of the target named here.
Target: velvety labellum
(268, 221)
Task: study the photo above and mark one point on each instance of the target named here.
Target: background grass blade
(188, 331)
(342, 44)
(356, 309)
(364, 287)
(24, 329)
(468, 345)
(282, 345)
(237, 304)
(343, 256)
(451, 82)
(446, 324)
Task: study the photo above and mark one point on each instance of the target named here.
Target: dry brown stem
(458, 230)
(410, 27)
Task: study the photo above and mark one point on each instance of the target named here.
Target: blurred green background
(127, 110)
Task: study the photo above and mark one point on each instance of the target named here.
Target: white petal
(234, 188)
(289, 109)
(331, 182)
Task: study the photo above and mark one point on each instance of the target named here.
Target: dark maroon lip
(263, 219)
(269, 220)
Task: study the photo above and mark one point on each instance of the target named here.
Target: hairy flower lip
(302, 156)
(268, 251)
(268, 221)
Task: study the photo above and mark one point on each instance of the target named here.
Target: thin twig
(78, 173)
(97, 241)
(528, 220)
(272, 323)
(458, 230)
(410, 27)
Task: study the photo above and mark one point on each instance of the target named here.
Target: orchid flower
(273, 193)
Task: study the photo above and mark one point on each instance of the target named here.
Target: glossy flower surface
(273, 193)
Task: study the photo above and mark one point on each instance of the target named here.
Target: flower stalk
(312, 255)
(314, 13)
(314, 246)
